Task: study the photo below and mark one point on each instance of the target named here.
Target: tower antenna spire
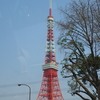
(50, 88)
(50, 4)
(50, 7)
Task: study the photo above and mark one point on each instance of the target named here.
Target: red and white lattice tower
(50, 89)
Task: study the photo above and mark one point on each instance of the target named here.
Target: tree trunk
(99, 93)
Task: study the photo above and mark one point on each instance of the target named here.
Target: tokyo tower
(50, 88)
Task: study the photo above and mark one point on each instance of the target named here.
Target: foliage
(80, 41)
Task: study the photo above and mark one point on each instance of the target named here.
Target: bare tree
(80, 40)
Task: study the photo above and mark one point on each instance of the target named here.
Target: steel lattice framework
(50, 89)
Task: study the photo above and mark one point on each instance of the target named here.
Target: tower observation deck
(50, 88)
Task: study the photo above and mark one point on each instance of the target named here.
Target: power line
(10, 95)
(14, 94)
(15, 84)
